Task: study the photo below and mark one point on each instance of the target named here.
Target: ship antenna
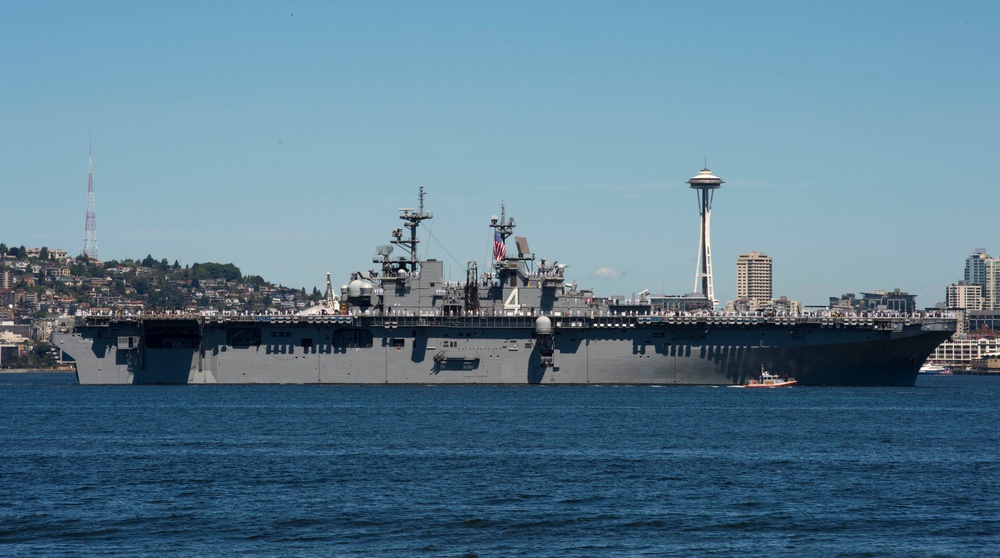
(412, 222)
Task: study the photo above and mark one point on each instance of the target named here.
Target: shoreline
(37, 370)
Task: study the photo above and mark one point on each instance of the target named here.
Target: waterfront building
(753, 277)
(895, 301)
(983, 321)
(783, 305)
(984, 271)
(9, 352)
(965, 296)
(975, 267)
(679, 303)
(877, 301)
(779, 306)
(991, 284)
(967, 351)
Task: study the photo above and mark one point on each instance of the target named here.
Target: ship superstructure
(519, 321)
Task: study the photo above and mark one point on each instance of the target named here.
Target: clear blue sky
(859, 141)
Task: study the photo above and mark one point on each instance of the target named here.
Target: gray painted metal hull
(468, 350)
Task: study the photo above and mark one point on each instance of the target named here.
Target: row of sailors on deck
(576, 312)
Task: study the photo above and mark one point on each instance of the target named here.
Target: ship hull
(498, 351)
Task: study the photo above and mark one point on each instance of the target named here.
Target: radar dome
(543, 326)
(354, 289)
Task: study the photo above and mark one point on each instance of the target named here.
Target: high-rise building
(991, 284)
(975, 267)
(753, 277)
(983, 272)
(965, 296)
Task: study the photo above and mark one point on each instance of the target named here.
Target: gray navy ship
(519, 322)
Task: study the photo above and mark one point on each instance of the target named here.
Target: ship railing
(878, 322)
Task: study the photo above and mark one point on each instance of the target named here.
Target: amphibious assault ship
(519, 322)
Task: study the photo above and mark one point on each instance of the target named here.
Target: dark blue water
(498, 471)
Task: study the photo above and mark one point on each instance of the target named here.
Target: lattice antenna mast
(90, 228)
(412, 222)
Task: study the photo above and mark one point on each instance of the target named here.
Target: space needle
(705, 185)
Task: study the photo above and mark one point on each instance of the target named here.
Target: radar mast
(412, 222)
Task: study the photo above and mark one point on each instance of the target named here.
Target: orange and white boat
(769, 380)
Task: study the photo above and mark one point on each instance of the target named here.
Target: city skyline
(238, 133)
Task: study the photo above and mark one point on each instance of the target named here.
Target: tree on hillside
(82, 267)
(43, 254)
(209, 270)
(160, 294)
(3, 249)
(168, 297)
(148, 261)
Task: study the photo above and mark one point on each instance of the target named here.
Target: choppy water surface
(498, 471)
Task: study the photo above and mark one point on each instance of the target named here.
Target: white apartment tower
(991, 284)
(753, 277)
(965, 296)
(982, 272)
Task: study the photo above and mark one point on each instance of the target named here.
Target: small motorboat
(769, 380)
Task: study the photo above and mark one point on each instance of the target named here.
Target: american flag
(499, 250)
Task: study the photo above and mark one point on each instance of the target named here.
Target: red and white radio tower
(90, 229)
